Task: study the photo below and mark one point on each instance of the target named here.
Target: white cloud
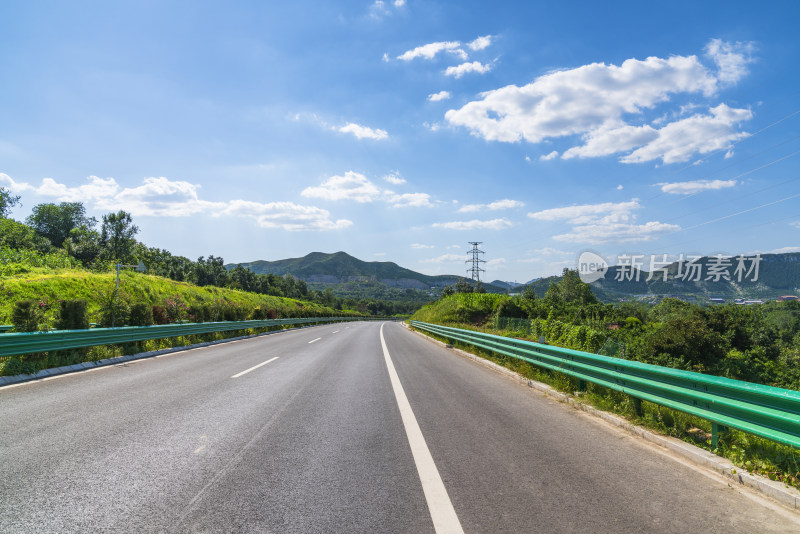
(357, 187)
(429, 51)
(363, 132)
(619, 187)
(606, 222)
(796, 224)
(420, 246)
(161, 197)
(351, 186)
(459, 70)
(783, 250)
(399, 3)
(285, 215)
(689, 188)
(548, 157)
(413, 200)
(444, 258)
(493, 206)
(394, 179)
(496, 264)
(731, 59)
(480, 43)
(678, 141)
(462, 55)
(604, 212)
(597, 101)
(438, 97)
(616, 233)
(475, 224)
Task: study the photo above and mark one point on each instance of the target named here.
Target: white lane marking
(237, 375)
(442, 512)
(335, 332)
(314, 340)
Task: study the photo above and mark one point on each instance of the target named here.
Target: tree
(7, 201)
(56, 221)
(570, 289)
(84, 245)
(210, 272)
(462, 286)
(116, 237)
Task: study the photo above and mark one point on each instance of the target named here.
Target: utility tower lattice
(475, 253)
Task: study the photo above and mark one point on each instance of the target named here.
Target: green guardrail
(5, 328)
(32, 342)
(765, 411)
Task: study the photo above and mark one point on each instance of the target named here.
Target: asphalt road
(303, 431)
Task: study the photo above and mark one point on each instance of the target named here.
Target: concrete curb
(46, 373)
(777, 490)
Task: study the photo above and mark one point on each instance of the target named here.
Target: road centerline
(314, 340)
(439, 505)
(237, 375)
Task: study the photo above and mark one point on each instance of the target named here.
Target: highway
(358, 427)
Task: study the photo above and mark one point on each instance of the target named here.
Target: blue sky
(401, 130)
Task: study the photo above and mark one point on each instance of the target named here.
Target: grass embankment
(48, 286)
(479, 312)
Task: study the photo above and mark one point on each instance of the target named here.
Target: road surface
(328, 429)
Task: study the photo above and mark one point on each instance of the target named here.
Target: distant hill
(340, 268)
(778, 275)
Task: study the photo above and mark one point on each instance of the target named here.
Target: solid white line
(335, 332)
(442, 512)
(237, 375)
(313, 340)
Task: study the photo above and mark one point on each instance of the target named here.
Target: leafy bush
(27, 315)
(141, 315)
(159, 315)
(72, 315)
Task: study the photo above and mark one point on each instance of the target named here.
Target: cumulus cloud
(458, 71)
(420, 246)
(695, 186)
(607, 222)
(493, 206)
(475, 224)
(364, 132)
(438, 97)
(680, 140)
(429, 51)
(357, 187)
(409, 200)
(549, 156)
(598, 102)
(394, 179)
(731, 59)
(480, 43)
(351, 186)
(161, 197)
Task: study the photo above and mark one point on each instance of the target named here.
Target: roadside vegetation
(758, 344)
(57, 271)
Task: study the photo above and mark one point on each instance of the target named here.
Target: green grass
(51, 285)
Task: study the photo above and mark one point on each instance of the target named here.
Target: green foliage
(159, 314)
(16, 261)
(117, 237)
(55, 221)
(176, 309)
(141, 314)
(27, 315)
(115, 307)
(72, 315)
(15, 235)
(7, 201)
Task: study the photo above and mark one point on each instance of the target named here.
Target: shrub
(26, 315)
(72, 315)
(159, 315)
(141, 315)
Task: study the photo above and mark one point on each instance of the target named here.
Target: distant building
(754, 301)
(716, 301)
(784, 298)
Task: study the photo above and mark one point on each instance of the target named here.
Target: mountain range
(773, 276)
